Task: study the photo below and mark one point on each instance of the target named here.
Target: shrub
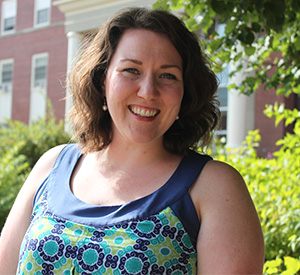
(13, 171)
(287, 266)
(37, 137)
(21, 146)
(274, 185)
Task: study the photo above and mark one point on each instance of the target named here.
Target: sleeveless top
(155, 234)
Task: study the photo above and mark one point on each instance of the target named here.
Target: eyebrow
(166, 66)
(171, 66)
(132, 60)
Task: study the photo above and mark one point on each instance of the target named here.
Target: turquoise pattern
(158, 244)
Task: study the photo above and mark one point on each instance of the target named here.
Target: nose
(148, 88)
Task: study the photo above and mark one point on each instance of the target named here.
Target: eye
(131, 71)
(169, 76)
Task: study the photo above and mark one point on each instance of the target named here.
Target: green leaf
(296, 90)
(238, 56)
(279, 142)
(250, 50)
(255, 27)
(245, 4)
(161, 4)
(246, 36)
(215, 44)
(229, 42)
(275, 42)
(289, 120)
(177, 4)
(219, 6)
(231, 26)
(231, 86)
(297, 43)
(278, 119)
(292, 264)
(245, 18)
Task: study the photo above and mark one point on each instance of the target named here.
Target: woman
(130, 197)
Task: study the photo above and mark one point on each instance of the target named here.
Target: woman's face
(143, 87)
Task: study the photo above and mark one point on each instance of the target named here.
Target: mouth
(143, 111)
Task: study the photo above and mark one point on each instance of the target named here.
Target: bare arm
(19, 217)
(230, 240)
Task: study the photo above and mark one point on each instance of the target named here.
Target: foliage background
(20, 147)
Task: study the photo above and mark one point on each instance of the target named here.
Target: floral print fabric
(158, 244)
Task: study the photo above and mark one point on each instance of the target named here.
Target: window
(9, 12)
(42, 12)
(6, 78)
(40, 71)
(6, 70)
(38, 95)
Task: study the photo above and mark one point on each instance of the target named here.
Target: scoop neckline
(75, 199)
(67, 206)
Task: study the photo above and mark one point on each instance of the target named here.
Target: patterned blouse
(155, 234)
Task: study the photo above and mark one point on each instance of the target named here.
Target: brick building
(40, 38)
(33, 59)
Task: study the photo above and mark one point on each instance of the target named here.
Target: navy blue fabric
(174, 193)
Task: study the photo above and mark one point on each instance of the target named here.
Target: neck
(136, 155)
(127, 157)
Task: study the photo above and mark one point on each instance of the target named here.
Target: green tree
(263, 35)
(260, 27)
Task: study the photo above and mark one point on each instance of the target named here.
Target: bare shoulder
(230, 232)
(221, 170)
(218, 179)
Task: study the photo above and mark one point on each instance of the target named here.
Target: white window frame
(37, 3)
(4, 15)
(38, 95)
(34, 58)
(6, 87)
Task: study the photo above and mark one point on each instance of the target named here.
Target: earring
(104, 106)
(177, 117)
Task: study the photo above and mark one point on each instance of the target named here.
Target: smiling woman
(132, 196)
(198, 113)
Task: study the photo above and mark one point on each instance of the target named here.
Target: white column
(241, 109)
(74, 42)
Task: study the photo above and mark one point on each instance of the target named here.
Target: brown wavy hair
(199, 113)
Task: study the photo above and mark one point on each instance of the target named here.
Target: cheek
(112, 88)
(176, 96)
(119, 85)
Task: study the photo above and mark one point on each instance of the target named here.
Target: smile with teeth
(143, 112)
